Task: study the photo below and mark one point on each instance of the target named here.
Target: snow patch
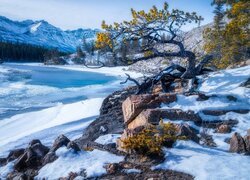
(91, 162)
(19, 126)
(34, 27)
(5, 170)
(107, 139)
(206, 163)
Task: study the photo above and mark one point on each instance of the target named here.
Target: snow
(206, 163)
(34, 27)
(107, 139)
(5, 170)
(114, 71)
(227, 82)
(91, 162)
(21, 125)
(213, 163)
(214, 103)
(41, 33)
(131, 171)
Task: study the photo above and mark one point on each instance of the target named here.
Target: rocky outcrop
(59, 142)
(32, 156)
(135, 104)
(14, 154)
(153, 116)
(142, 111)
(28, 161)
(110, 120)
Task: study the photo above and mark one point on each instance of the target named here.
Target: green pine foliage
(20, 52)
(229, 41)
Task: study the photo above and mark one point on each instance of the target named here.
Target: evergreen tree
(229, 41)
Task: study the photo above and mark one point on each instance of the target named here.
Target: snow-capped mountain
(42, 33)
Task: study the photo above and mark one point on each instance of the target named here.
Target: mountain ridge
(42, 33)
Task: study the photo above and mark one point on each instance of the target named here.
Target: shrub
(151, 140)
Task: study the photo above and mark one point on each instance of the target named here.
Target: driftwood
(165, 77)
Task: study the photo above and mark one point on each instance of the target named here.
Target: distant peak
(34, 27)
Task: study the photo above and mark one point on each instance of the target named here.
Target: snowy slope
(207, 163)
(42, 33)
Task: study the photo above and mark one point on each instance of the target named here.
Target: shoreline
(112, 71)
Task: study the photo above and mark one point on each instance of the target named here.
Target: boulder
(153, 116)
(145, 118)
(49, 157)
(224, 128)
(188, 132)
(74, 146)
(59, 142)
(113, 168)
(3, 161)
(14, 154)
(237, 144)
(247, 143)
(135, 104)
(32, 156)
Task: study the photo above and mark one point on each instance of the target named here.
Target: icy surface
(36, 106)
(91, 162)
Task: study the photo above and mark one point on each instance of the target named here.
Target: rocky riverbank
(209, 126)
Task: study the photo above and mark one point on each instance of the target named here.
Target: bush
(151, 140)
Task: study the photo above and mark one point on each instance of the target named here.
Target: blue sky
(73, 14)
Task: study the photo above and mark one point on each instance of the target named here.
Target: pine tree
(229, 41)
